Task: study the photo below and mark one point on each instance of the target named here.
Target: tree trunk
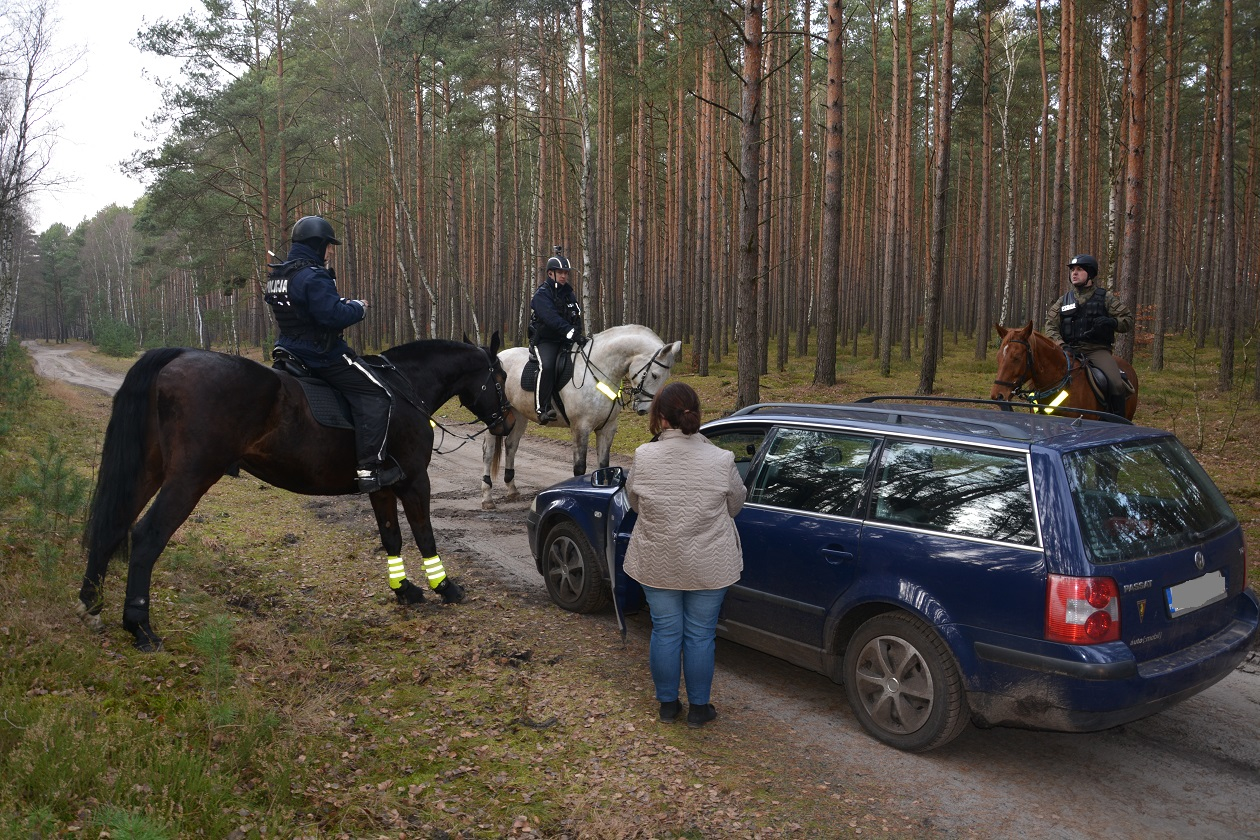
(804, 235)
(1135, 170)
(983, 225)
(940, 192)
(749, 363)
(887, 287)
(1229, 245)
(833, 195)
(1042, 286)
(1163, 206)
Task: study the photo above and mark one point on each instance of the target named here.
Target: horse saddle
(328, 405)
(564, 371)
(1098, 380)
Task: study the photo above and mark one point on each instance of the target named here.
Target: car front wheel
(571, 569)
(903, 683)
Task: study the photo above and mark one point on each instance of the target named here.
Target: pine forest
(770, 180)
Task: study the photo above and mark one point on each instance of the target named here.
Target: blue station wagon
(949, 564)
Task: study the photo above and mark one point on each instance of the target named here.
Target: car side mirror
(609, 477)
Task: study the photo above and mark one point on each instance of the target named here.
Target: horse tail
(497, 457)
(114, 504)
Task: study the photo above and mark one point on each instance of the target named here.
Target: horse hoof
(487, 505)
(451, 592)
(408, 594)
(146, 640)
(92, 621)
(513, 496)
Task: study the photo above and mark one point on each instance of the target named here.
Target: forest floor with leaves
(294, 698)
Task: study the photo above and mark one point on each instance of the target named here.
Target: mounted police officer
(1086, 320)
(302, 293)
(555, 325)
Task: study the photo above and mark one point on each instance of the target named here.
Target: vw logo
(1198, 560)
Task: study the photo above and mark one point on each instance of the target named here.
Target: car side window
(814, 471)
(743, 444)
(961, 491)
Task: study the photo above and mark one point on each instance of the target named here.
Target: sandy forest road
(1190, 772)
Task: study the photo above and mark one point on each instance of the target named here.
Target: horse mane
(629, 329)
(413, 350)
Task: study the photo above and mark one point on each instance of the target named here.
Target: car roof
(955, 417)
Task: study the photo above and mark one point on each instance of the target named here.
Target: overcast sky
(103, 114)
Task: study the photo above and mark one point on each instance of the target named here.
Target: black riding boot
(371, 405)
(376, 469)
(544, 390)
(1116, 403)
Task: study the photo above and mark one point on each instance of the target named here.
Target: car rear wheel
(571, 569)
(903, 683)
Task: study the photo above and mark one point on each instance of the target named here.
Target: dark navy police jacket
(556, 311)
(309, 311)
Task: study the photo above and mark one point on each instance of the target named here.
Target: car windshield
(1140, 499)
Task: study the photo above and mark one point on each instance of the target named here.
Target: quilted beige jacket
(687, 492)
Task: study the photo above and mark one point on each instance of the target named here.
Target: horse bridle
(504, 406)
(1017, 389)
(1028, 368)
(638, 389)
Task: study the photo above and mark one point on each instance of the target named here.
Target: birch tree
(33, 74)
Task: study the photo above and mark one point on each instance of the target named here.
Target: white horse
(591, 397)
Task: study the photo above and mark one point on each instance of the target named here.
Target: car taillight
(1082, 611)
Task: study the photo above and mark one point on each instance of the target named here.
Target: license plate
(1189, 596)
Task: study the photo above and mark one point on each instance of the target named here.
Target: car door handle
(836, 555)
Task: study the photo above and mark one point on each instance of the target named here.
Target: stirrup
(371, 480)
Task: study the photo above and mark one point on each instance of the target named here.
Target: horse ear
(467, 340)
(1001, 330)
(1028, 326)
(494, 343)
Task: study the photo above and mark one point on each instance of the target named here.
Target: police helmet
(559, 262)
(314, 227)
(1086, 262)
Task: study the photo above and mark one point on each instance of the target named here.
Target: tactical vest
(276, 294)
(1076, 323)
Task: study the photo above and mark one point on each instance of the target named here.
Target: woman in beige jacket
(684, 549)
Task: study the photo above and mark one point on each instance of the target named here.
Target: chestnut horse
(1032, 367)
(184, 418)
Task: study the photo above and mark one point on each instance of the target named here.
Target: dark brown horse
(1032, 367)
(184, 418)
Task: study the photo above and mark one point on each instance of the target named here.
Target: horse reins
(1035, 397)
(408, 394)
(636, 389)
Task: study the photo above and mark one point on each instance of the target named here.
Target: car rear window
(1143, 498)
(968, 492)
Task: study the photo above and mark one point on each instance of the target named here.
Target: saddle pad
(327, 404)
(529, 374)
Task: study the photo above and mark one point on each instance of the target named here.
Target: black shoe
(545, 417)
(698, 716)
(670, 710)
(372, 479)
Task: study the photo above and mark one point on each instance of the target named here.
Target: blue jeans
(684, 626)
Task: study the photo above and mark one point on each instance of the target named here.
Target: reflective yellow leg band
(607, 391)
(433, 570)
(396, 572)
